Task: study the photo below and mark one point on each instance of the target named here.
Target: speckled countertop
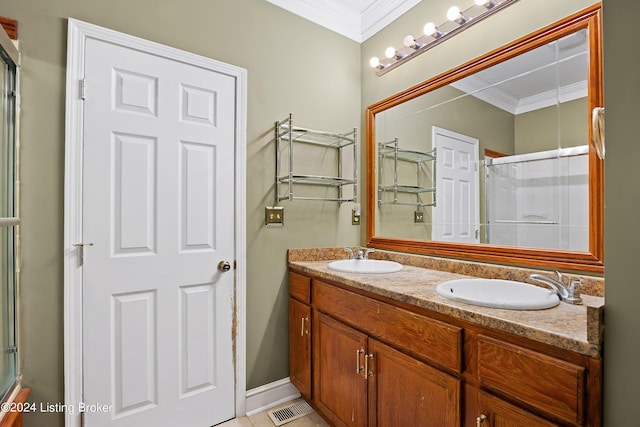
(576, 328)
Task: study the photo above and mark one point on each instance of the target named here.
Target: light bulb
(374, 62)
(430, 29)
(390, 52)
(410, 41)
(453, 14)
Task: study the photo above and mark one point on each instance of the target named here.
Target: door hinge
(83, 88)
(12, 93)
(11, 350)
(81, 247)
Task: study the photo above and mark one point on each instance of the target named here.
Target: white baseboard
(269, 395)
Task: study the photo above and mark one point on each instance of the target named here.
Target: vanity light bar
(458, 20)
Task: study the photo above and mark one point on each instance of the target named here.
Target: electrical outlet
(418, 217)
(273, 216)
(355, 217)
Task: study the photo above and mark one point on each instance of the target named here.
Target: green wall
(622, 204)
(552, 127)
(292, 67)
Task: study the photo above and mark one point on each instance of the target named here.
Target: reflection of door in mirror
(530, 102)
(456, 218)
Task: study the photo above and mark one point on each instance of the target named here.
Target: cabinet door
(404, 391)
(300, 346)
(340, 388)
(502, 414)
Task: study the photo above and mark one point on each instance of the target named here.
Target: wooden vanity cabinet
(300, 333)
(369, 361)
(360, 380)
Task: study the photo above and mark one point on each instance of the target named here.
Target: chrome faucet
(358, 253)
(367, 252)
(350, 252)
(567, 293)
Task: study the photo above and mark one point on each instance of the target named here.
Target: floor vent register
(288, 413)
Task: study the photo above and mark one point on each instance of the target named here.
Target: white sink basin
(374, 266)
(498, 293)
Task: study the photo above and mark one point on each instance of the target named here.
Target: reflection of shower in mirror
(539, 200)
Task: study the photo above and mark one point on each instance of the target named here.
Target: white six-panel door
(456, 216)
(158, 209)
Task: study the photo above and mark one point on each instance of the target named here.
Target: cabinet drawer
(300, 287)
(501, 413)
(427, 338)
(551, 385)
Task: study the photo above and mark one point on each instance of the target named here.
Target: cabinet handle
(367, 372)
(481, 420)
(358, 367)
(302, 331)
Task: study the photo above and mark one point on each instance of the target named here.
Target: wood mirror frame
(589, 261)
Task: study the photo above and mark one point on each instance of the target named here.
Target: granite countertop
(576, 328)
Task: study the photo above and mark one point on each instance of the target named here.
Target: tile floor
(262, 420)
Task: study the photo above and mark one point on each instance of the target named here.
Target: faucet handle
(560, 277)
(350, 252)
(367, 252)
(573, 294)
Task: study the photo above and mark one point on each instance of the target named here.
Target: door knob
(224, 266)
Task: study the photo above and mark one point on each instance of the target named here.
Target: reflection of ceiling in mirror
(554, 73)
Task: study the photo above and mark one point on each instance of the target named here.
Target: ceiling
(355, 19)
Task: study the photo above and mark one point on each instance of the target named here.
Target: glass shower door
(9, 221)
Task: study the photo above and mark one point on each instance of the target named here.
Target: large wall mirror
(494, 160)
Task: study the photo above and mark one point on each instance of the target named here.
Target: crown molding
(494, 96)
(381, 13)
(546, 99)
(357, 23)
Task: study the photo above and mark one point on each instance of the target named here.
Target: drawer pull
(481, 420)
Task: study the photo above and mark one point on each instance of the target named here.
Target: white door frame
(78, 33)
